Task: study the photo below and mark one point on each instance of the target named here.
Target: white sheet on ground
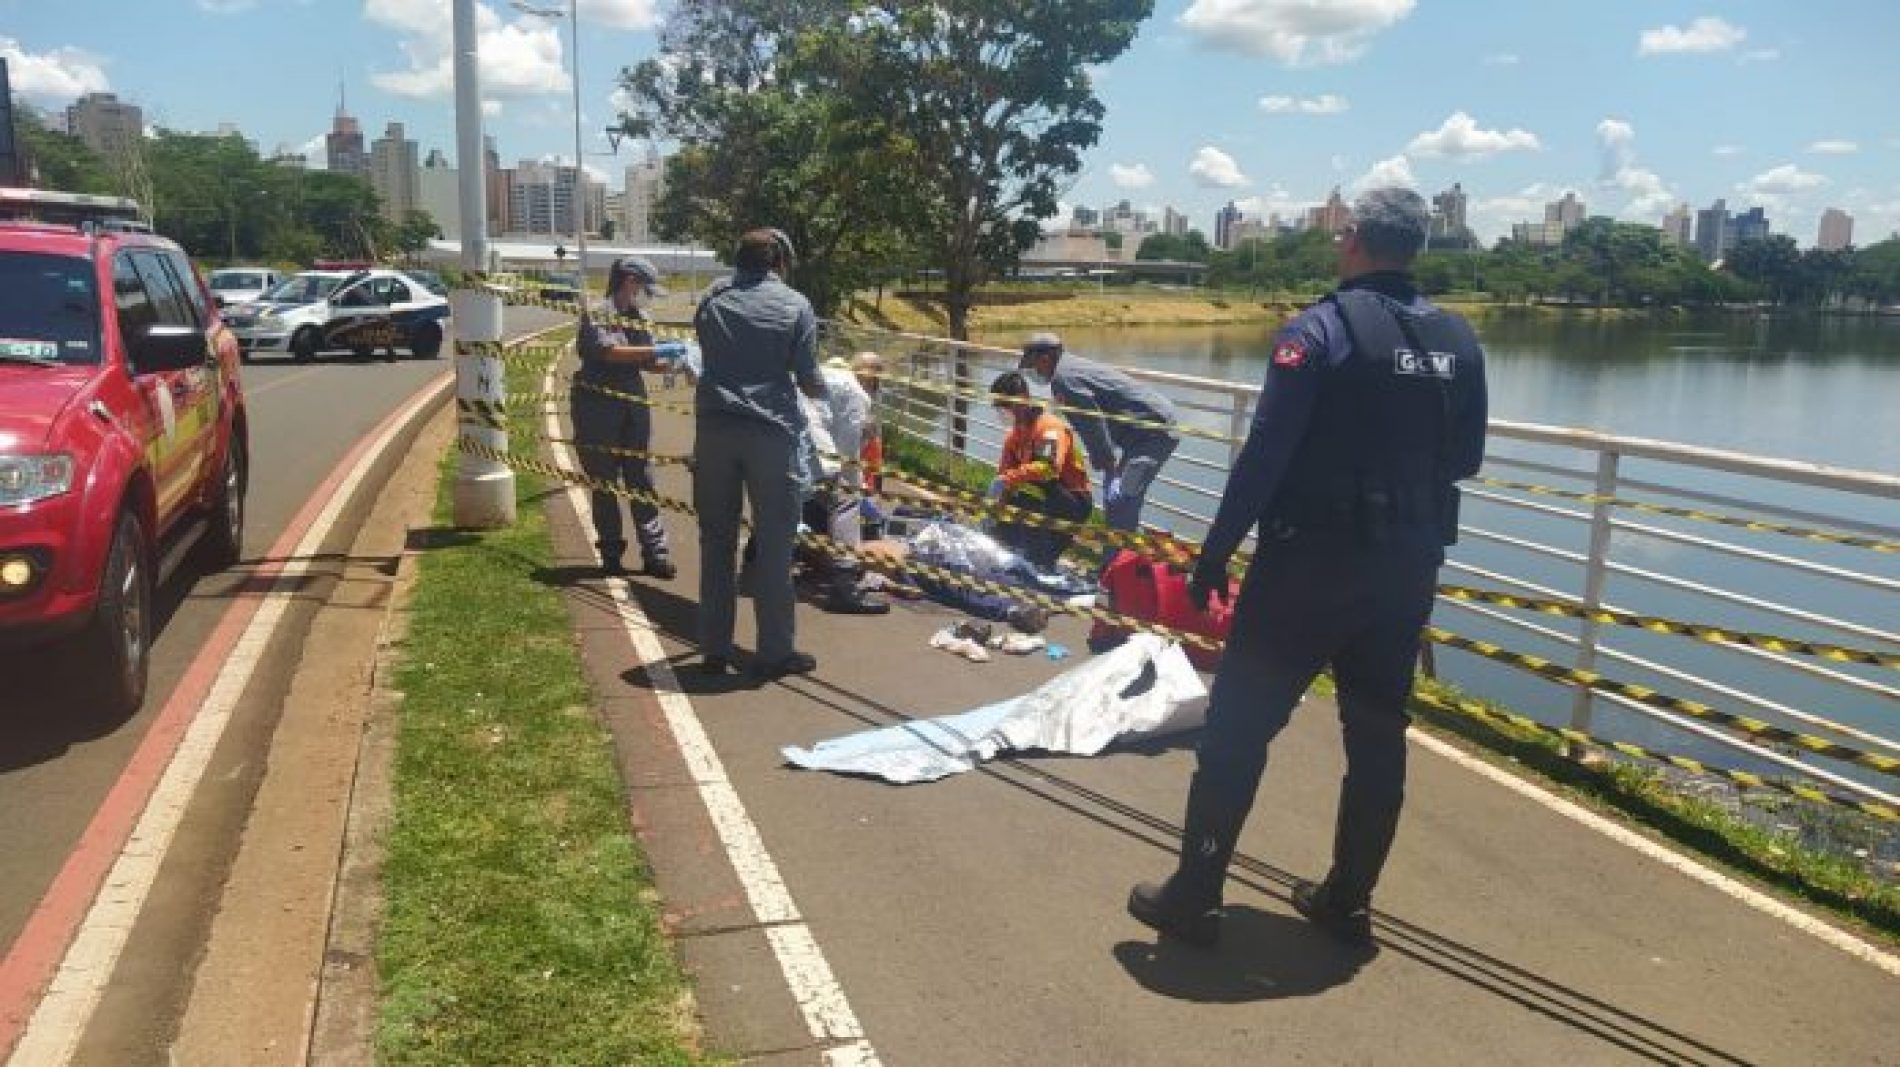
(1144, 688)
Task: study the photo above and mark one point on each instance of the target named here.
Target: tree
(1190, 247)
(61, 161)
(415, 231)
(750, 92)
(996, 98)
(1773, 263)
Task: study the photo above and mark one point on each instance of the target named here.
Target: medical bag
(1144, 589)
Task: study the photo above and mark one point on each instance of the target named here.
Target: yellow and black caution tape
(1805, 791)
(1719, 635)
(1827, 537)
(483, 413)
(657, 459)
(1642, 694)
(508, 353)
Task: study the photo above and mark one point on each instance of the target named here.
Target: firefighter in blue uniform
(1373, 409)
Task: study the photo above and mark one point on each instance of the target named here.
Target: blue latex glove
(669, 351)
(1112, 490)
(996, 490)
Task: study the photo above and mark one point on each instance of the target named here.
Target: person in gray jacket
(758, 342)
(1126, 427)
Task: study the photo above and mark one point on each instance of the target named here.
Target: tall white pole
(484, 496)
(580, 171)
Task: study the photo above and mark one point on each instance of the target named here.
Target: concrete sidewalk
(979, 920)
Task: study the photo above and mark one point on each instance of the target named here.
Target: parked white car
(360, 311)
(241, 285)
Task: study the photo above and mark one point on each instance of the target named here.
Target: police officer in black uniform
(1373, 408)
(614, 349)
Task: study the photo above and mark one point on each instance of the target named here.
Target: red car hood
(31, 399)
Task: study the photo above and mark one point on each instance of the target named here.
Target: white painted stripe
(821, 999)
(53, 1033)
(1666, 856)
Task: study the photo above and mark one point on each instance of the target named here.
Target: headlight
(25, 479)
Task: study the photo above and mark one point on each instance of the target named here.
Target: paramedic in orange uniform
(1041, 470)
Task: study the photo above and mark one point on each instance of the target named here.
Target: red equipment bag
(1155, 592)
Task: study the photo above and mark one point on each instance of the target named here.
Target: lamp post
(484, 495)
(573, 16)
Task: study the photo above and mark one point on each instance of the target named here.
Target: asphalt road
(55, 768)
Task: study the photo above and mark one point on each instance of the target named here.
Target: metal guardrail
(1563, 547)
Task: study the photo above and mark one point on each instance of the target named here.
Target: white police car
(360, 311)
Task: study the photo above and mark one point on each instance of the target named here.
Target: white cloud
(1760, 55)
(1501, 59)
(1782, 181)
(619, 14)
(1298, 33)
(1647, 196)
(1460, 138)
(1834, 148)
(1706, 34)
(62, 73)
(1396, 170)
(314, 152)
(1275, 201)
(519, 57)
(226, 7)
(1131, 177)
(1323, 104)
(1727, 150)
(1216, 169)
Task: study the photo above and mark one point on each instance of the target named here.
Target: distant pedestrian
(758, 340)
(1040, 471)
(614, 433)
(1373, 409)
(1126, 427)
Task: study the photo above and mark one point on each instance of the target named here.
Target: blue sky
(1635, 104)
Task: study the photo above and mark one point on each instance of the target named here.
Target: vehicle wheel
(304, 344)
(223, 542)
(112, 655)
(426, 341)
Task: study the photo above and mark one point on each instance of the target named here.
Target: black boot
(1362, 839)
(845, 598)
(1187, 906)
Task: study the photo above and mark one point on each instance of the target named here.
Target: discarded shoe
(1352, 926)
(980, 632)
(1016, 644)
(1029, 618)
(948, 641)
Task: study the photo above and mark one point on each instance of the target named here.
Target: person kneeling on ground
(1040, 471)
(835, 429)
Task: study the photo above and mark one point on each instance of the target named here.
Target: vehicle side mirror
(163, 348)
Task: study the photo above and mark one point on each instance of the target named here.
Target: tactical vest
(1374, 466)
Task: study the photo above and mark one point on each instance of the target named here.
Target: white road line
(1666, 856)
(53, 1033)
(821, 1000)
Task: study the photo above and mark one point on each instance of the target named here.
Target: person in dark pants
(1127, 428)
(758, 345)
(613, 352)
(1040, 470)
(1373, 409)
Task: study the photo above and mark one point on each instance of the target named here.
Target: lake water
(1824, 390)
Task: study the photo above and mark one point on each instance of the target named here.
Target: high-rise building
(439, 192)
(495, 182)
(1538, 234)
(1224, 222)
(1173, 223)
(1448, 212)
(545, 197)
(1676, 226)
(646, 183)
(1567, 212)
(1837, 230)
(343, 145)
(1750, 225)
(107, 125)
(1712, 236)
(1084, 218)
(1333, 216)
(395, 173)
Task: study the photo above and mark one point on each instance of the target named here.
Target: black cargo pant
(1303, 608)
(602, 420)
(1042, 545)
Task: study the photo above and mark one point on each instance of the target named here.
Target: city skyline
(1636, 110)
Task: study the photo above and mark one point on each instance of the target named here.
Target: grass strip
(521, 924)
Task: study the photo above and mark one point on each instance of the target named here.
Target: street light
(573, 16)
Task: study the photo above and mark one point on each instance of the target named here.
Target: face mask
(1040, 375)
(641, 298)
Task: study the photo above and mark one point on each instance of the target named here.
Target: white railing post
(1595, 570)
(1236, 426)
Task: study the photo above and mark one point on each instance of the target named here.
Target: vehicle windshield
(303, 289)
(224, 280)
(49, 309)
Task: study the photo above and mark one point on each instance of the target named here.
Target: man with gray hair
(1373, 409)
